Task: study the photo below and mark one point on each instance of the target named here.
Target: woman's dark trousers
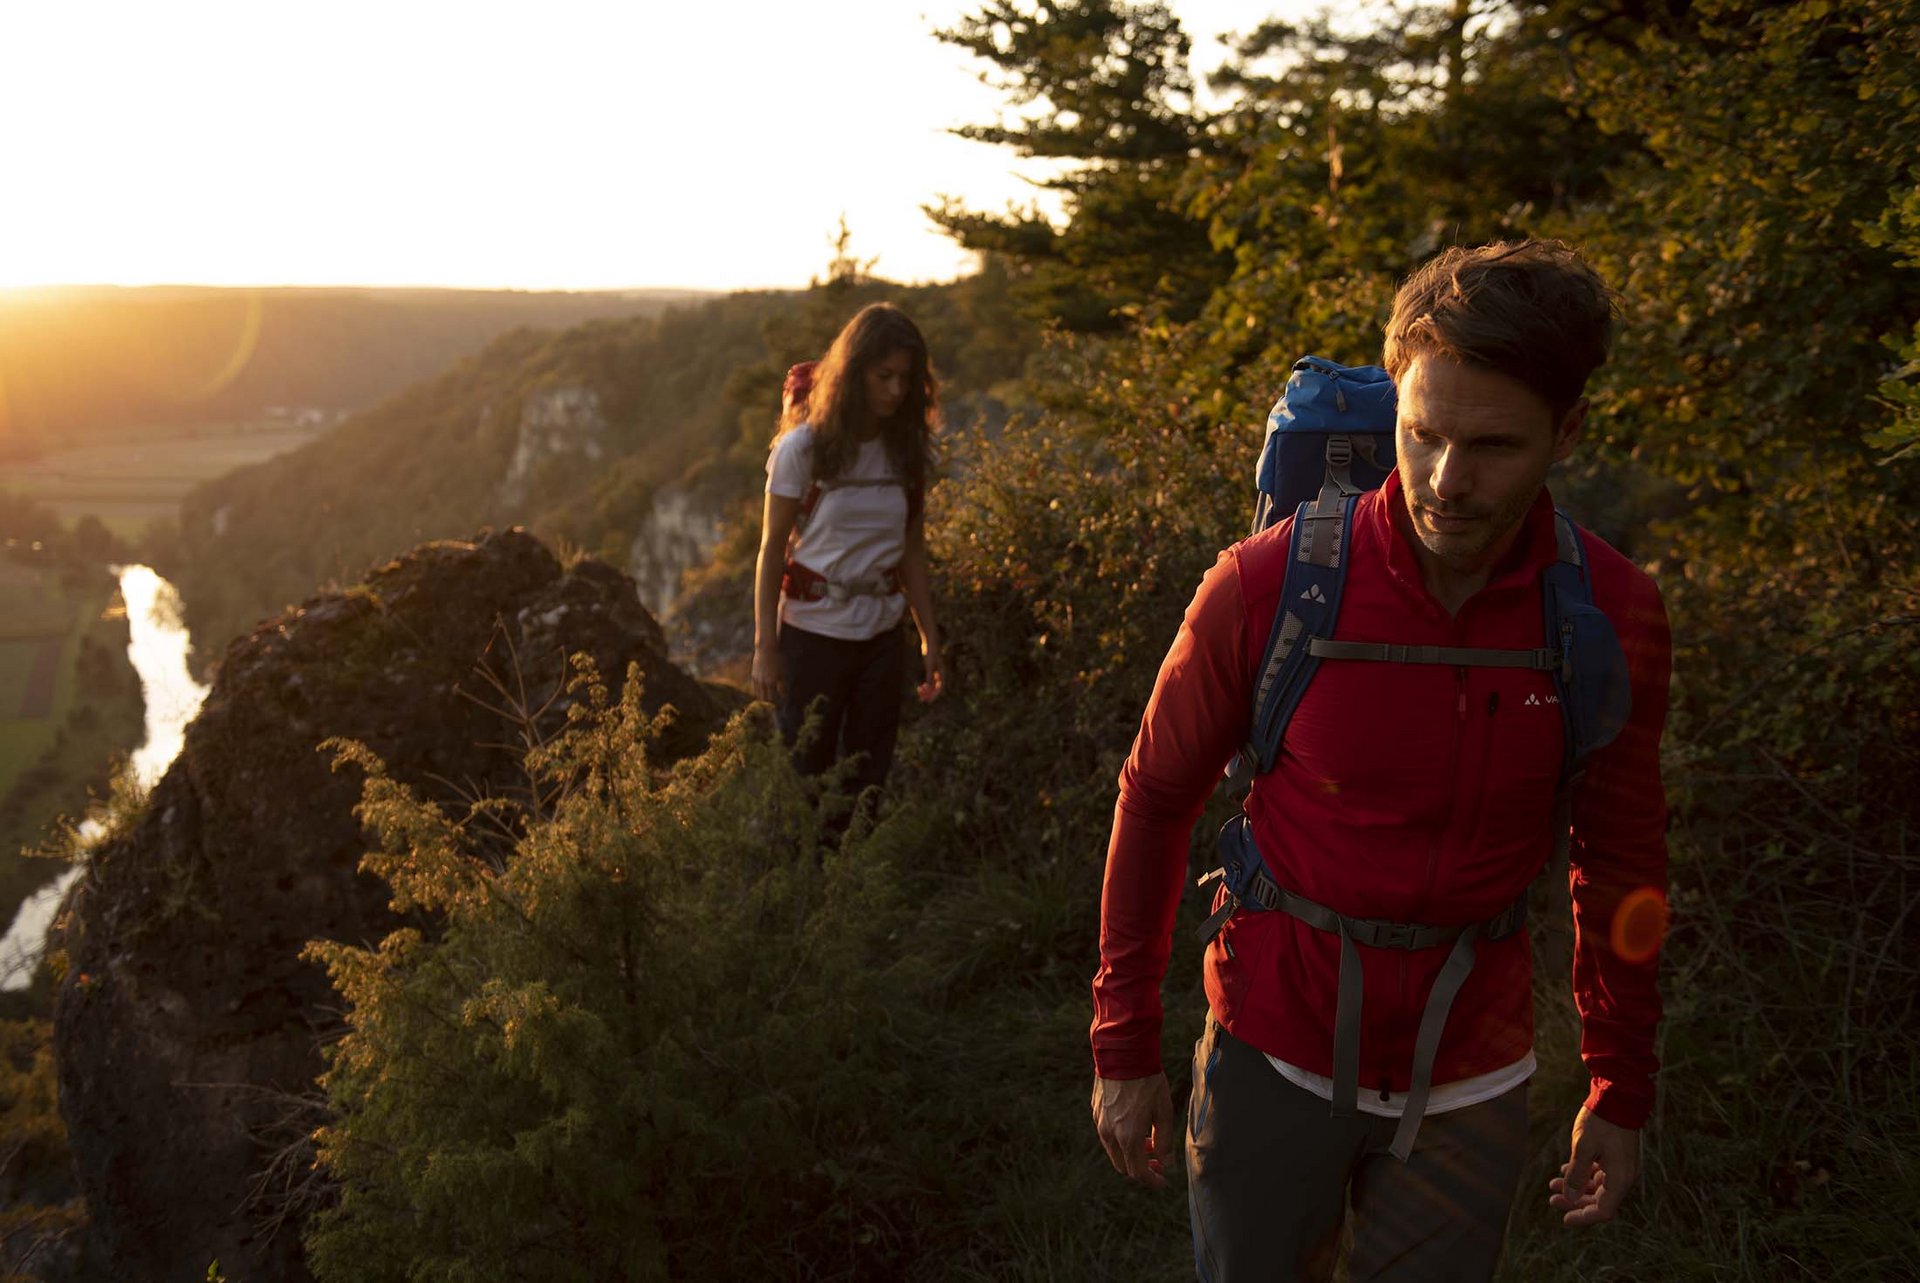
(857, 686)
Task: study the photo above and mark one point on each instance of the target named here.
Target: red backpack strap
(794, 393)
(801, 583)
(808, 502)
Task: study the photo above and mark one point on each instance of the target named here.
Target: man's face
(1473, 449)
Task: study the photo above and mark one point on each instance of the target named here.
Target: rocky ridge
(187, 1029)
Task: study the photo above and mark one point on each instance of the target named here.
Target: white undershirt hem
(1442, 1098)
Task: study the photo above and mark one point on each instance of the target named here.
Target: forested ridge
(677, 1033)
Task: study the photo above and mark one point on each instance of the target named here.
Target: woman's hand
(929, 690)
(769, 674)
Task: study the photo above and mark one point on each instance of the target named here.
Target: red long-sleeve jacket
(1416, 793)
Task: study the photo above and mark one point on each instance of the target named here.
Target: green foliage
(1111, 76)
(35, 1142)
(38, 1208)
(1071, 542)
(639, 1045)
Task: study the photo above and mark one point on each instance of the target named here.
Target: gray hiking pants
(1270, 1174)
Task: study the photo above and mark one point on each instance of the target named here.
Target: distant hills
(99, 362)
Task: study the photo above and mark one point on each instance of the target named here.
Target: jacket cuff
(1118, 1061)
(1622, 1103)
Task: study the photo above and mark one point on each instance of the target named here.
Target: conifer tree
(625, 1013)
(1104, 87)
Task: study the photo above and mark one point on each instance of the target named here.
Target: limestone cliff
(564, 427)
(684, 524)
(187, 1030)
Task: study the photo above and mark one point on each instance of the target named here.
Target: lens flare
(1640, 924)
(237, 356)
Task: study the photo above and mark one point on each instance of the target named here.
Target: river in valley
(158, 650)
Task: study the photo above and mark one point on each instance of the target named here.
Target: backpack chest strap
(1542, 658)
(804, 583)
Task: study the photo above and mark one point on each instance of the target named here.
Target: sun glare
(606, 145)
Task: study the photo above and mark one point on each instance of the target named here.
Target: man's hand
(1594, 1181)
(1134, 1117)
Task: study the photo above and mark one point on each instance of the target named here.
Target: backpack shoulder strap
(808, 502)
(1566, 586)
(1309, 608)
(1591, 680)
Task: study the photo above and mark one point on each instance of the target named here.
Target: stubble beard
(1486, 527)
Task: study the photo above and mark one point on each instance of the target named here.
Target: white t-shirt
(856, 532)
(1443, 1097)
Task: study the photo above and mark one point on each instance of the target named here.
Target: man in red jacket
(1420, 794)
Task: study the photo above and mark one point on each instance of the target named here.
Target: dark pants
(857, 686)
(1270, 1174)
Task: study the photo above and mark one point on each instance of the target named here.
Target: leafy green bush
(640, 1045)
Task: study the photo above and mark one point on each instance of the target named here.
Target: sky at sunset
(577, 144)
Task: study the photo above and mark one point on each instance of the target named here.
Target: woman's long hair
(837, 402)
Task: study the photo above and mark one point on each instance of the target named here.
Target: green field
(48, 764)
(130, 483)
(38, 615)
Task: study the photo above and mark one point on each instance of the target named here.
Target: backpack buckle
(1387, 935)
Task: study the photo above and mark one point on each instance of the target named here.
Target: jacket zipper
(1453, 784)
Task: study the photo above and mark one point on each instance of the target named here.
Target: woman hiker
(843, 553)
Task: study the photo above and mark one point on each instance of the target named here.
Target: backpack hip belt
(1250, 886)
(802, 583)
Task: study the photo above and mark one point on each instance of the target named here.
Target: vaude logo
(1534, 701)
(1313, 593)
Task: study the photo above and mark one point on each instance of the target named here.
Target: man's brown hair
(1532, 310)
